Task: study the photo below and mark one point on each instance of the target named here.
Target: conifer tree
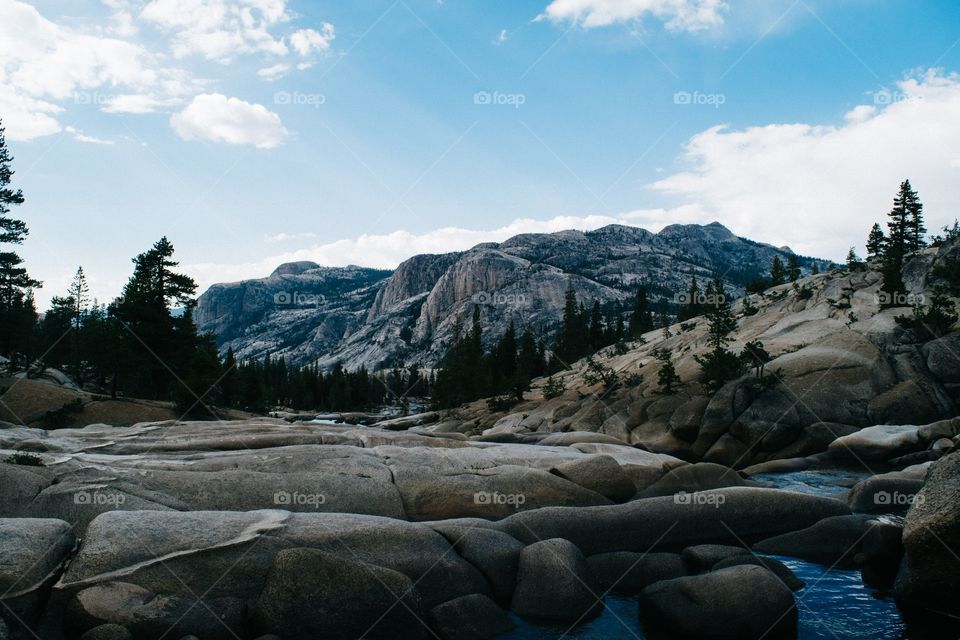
(641, 320)
(875, 242)
(778, 274)
(793, 268)
(900, 240)
(719, 364)
(17, 312)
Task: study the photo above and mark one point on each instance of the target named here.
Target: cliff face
(364, 317)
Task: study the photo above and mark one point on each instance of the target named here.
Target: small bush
(25, 459)
(501, 403)
(554, 388)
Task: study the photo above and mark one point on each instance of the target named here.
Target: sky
(256, 132)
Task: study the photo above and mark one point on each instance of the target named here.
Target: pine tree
(875, 242)
(793, 268)
(915, 228)
(719, 364)
(667, 377)
(597, 329)
(641, 320)
(854, 263)
(157, 349)
(17, 311)
(756, 356)
(79, 293)
(692, 308)
(778, 274)
(899, 241)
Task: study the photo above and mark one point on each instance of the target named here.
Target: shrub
(25, 459)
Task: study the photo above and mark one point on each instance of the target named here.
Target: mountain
(840, 361)
(374, 318)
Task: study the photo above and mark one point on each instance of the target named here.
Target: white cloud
(386, 251)
(677, 15)
(307, 41)
(820, 188)
(285, 237)
(220, 29)
(136, 103)
(274, 72)
(42, 63)
(215, 117)
(80, 136)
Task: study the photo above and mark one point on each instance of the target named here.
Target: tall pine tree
(17, 312)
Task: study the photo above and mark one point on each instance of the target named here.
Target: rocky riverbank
(261, 527)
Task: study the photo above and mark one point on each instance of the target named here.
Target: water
(827, 483)
(834, 604)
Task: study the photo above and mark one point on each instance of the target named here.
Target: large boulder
(494, 553)
(876, 444)
(107, 632)
(831, 541)
(778, 569)
(599, 473)
(892, 492)
(227, 555)
(472, 617)
(554, 584)
(313, 594)
(719, 516)
(32, 553)
(695, 477)
(629, 572)
(151, 615)
(702, 557)
(737, 603)
(929, 577)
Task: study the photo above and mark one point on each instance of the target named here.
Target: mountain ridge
(376, 318)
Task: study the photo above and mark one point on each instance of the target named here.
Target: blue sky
(256, 131)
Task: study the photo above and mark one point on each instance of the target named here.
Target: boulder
(472, 617)
(599, 473)
(32, 553)
(695, 477)
(107, 632)
(830, 541)
(628, 573)
(776, 567)
(929, 577)
(182, 553)
(569, 438)
(554, 584)
(737, 603)
(21, 484)
(885, 493)
(719, 516)
(494, 553)
(702, 557)
(881, 553)
(941, 429)
(493, 493)
(150, 615)
(313, 594)
(876, 444)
